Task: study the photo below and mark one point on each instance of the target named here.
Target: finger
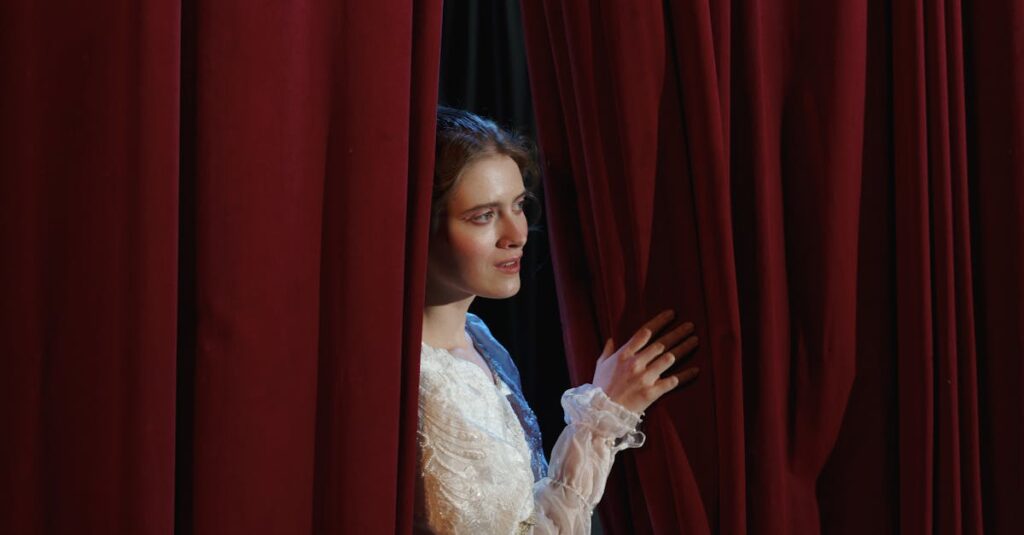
(662, 363)
(676, 335)
(670, 339)
(688, 375)
(668, 383)
(638, 340)
(688, 346)
(643, 335)
(609, 349)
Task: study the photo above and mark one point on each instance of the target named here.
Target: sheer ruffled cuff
(588, 406)
(597, 429)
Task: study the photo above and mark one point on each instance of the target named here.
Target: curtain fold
(88, 268)
(828, 191)
(213, 258)
(215, 244)
(994, 202)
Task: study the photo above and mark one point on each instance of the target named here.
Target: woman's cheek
(472, 246)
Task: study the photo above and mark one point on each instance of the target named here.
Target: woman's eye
(483, 218)
(519, 206)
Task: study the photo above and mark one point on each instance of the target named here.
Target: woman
(481, 465)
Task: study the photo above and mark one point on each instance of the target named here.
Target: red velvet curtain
(213, 258)
(834, 193)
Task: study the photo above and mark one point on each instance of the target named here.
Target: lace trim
(572, 490)
(474, 460)
(588, 406)
(526, 526)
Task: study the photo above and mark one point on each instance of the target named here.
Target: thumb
(609, 348)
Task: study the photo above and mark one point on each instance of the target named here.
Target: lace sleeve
(597, 429)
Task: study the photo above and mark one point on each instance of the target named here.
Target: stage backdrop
(212, 264)
(834, 193)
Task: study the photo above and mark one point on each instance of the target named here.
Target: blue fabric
(501, 364)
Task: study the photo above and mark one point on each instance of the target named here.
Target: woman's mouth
(511, 266)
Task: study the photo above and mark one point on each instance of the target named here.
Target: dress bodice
(481, 467)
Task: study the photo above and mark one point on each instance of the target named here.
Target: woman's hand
(631, 376)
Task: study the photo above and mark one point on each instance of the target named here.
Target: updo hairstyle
(463, 138)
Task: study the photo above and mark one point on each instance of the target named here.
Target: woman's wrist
(589, 406)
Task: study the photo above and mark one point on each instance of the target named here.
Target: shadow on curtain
(832, 191)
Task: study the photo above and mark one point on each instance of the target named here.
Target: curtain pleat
(88, 268)
(213, 225)
(832, 193)
(215, 240)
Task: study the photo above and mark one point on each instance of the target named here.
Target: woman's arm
(602, 420)
(597, 429)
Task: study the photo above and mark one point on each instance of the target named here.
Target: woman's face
(479, 241)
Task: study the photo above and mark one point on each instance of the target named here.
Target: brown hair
(462, 138)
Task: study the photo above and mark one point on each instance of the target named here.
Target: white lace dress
(475, 475)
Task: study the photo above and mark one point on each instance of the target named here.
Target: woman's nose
(513, 232)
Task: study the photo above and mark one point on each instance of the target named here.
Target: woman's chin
(504, 291)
